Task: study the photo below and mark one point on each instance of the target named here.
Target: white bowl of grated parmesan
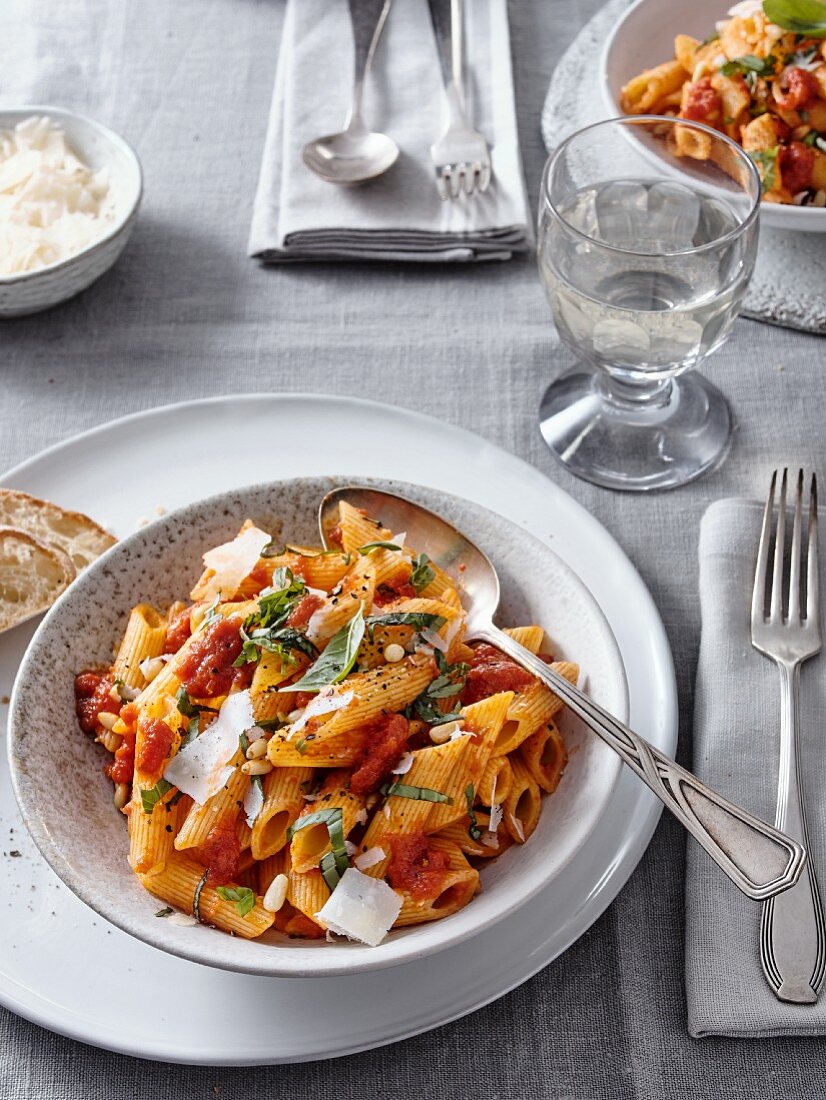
(69, 196)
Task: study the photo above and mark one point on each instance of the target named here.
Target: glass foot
(673, 437)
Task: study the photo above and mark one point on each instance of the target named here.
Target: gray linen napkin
(736, 750)
(298, 216)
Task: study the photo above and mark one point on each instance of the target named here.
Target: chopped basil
(165, 912)
(806, 17)
(451, 682)
(419, 620)
(422, 794)
(275, 605)
(336, 660)
(174, 800)
(280, 640)
(422, 574)
(273, 550)
(329, 870)
(319, 817)
(243, 897)
(800, 58)
(474, 832)
(211, 613)
(766, 161)
(378, 546)
(185, 705)
(760, 66)
(192, 730)
(196, 898)
(818, 141)
(150, 798)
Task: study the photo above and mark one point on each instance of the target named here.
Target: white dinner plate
(125, 471)
(643, 38)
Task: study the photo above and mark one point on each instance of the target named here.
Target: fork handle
(759, 859)
(792, 932)
(446, 17)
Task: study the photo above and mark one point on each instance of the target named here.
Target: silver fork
(792, 932)
(460, 156)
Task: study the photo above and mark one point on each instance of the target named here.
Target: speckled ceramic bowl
(67, 803)
(99, 147)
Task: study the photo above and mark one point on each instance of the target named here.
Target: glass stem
(642, 395)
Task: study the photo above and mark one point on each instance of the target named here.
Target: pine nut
(150, 667)
(256, 767)
(114, 694)
(276, 894)
(257, 749)
(440, 734)
(393, 653)
(107, 719)
(121, 795)
(294, 715)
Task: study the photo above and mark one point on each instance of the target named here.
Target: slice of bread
(72, 532)
(32, 575)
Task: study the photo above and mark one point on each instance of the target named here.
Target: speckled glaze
(99, 147)
(67, 803)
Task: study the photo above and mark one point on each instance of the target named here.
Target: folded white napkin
(400, 215)
(736, 750)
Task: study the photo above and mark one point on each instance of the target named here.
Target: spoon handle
(758, 858)
(367, 17)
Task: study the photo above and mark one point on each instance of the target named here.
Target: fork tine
(441, 185)
(794, 560)
(776, 608)
(758, 599)
(455, 181)
(812, 571)
(469, 178)
(484, 176)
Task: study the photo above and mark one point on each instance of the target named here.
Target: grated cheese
(200, 768)
(52, 204)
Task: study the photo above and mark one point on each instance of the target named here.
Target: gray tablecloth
(186, 314)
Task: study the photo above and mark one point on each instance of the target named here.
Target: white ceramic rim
(801, 214)
(429, 938)
(59, 113)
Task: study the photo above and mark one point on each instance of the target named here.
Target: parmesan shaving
(369, 858)
(517, 828)
(327, 701)
(232, 562)
(52, 204)
(200, 768)
(253, 802)
(185, 920)
(361, 908)
(404, 765)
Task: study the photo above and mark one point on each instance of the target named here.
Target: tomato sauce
(155, 743)
(92, 697)
(415, 866)
(491, 672)
(121, 769)
(304, 609)
(385, 741)
(796, 163)
(703, 103)
(796, 89)
(206, 669)
(221, 853)
(178, 631)
(388, 593)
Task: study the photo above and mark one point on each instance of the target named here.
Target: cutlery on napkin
(399, 216)
(737, 749)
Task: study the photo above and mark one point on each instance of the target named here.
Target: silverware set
(461, 158)
(785, 626)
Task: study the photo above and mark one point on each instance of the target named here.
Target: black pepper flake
(169, 828)
(15, 854)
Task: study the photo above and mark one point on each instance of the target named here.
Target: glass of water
(647, 241)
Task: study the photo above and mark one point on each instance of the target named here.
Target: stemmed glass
(647, 241)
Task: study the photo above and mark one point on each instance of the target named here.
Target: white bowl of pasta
(664, 59)
(364, 782)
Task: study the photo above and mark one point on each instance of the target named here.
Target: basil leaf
(761, 66)
(368, 546)
(243, 897)
(274, 608)
(422, 574)
(336, 660)
(192, 731)
(329, 870)
(422, 794)
(818, 141)
(801, 16)
(196, 899)
(152, 796)
(274, 640)
(419, 620)
(210, 614)
(474, 832)
(319, 817)
(766, 161)
(165, 911)
(185, 704)
(273, 550)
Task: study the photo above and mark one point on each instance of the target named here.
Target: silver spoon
(757, 858)
(356, 154)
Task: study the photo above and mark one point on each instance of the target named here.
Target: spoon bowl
(351, 156)
(758, 858)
